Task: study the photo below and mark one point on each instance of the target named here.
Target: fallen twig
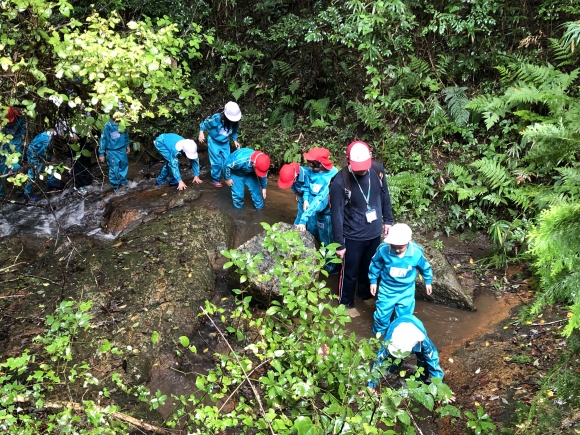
(548, 323)
(242, 383)
(243, 370)
(12, 296)
(79, 407)
(41, 277)
(5, 269)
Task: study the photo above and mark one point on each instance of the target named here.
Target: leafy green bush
(33, 384)
(302, 372)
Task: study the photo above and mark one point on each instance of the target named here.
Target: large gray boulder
(446, 288)
(263, 291)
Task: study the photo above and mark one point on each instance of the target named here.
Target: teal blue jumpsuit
(240, 169)
(218, 144)
(426, 352)
(113, 145)
(36, 155)
(397, 275)
(165, 144)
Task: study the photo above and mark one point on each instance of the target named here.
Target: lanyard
(368, 196)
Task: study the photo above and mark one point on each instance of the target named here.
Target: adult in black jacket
(361, 216)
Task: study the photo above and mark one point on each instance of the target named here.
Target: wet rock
(263, 291)
(138, 367)
(153, 279)
(446, 288)
(126, 212)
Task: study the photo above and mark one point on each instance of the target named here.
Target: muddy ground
(500, 368)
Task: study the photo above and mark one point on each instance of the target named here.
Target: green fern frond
(456, 169)
(570, 175)
(419, 66)
(494, 173)
(442, 65)
(368, 114)
(470, 192)
(281, 67)
(294, 86)
(288, 121)
(555, 243)
(506, 74)
(242, 90)
(480, 102)
(495, 198)
(534, 74)
(251, 52)
(456, 102)
(289, 99)
(562, 51)
(552, 143)
(491, 118)
(522, 196)
(276, 116)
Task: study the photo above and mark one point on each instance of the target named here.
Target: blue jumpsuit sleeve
(37, 148)
(195, 166)
(263, 182)
(386, 202)
(228, 171)
(377, 266)
(207, 123)
(126, 138)
(235, 135)
(425, 269)
(318, 203)
(104, 141)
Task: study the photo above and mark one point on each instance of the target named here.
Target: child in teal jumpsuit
(408, 335)
(115, 146)
(37, 156)
(396, 263)
(220, 128)
(316, 217)
(170, 145)
(246, 167)
(296, 177)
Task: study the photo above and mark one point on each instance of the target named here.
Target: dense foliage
(471, 105)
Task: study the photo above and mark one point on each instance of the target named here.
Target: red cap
(288, 174)
(359, 156)
(321, 155)
(261, 163)
(12, 114)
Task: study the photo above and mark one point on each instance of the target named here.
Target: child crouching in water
(396, 263)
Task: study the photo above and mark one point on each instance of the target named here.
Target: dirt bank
(501, 366)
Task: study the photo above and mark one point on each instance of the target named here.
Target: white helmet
(232, 111)
(399, 234)
(404, 338)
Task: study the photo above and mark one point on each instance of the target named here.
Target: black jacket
(349, 221)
